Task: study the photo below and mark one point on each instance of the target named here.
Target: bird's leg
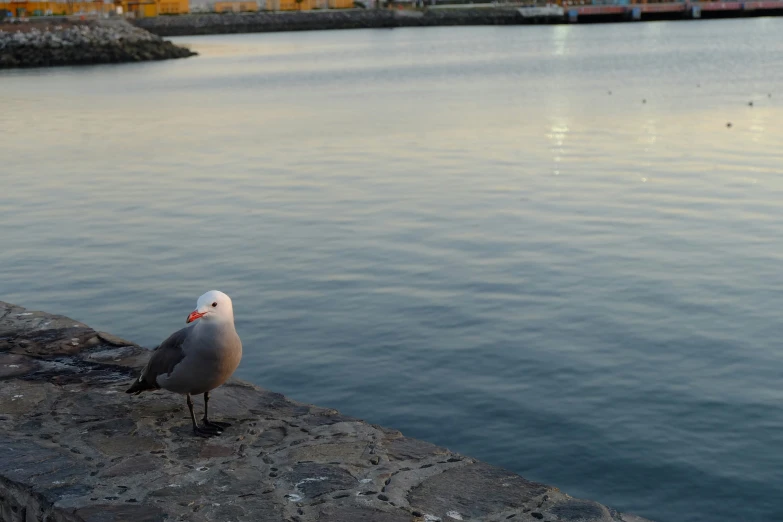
(200, 431)
(206, 421)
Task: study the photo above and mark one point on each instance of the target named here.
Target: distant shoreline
(263, 22)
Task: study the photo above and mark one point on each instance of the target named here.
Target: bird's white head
(213, 306)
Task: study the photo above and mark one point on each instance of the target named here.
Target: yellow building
(135, 8)
(307, 5)
(173, 6)
(24, 8)
(147, 8)
(235, 7)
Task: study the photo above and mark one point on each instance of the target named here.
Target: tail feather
(140, 385)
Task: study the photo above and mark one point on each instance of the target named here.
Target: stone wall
(81, 43)
(356, 19)
(76, 448)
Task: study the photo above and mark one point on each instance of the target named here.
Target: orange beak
(195, 314)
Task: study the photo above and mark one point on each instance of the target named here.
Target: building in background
(173, 6)
(235, 7)
(307, 5)
(24, 8)
(133, 8)
(149, 8)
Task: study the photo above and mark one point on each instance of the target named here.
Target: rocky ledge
(81, 43)
(76, 448)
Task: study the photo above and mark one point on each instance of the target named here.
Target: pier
(668, 10)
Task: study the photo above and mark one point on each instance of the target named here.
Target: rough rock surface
(195, 24)
(76, 448)
(92, 42)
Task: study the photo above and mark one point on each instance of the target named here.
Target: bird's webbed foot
(215, 424)
(207, 431)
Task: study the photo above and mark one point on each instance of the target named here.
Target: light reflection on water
(457, 232)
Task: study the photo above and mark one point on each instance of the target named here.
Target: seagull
(196, 359)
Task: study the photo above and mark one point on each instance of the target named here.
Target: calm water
(457, 232)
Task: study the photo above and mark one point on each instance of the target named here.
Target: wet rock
(119, 512)
(130, 467)
(576, 510)
(352, 453)
(475, 491)
(13, 365)
(112, 339)
(313, 480)
(358, 513)
(270, 437)
(412, 449)
(214, 450)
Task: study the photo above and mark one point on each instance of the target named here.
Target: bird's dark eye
(214, 304)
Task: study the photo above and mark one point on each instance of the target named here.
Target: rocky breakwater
(76, 448)
(195, 24)
(81, 43)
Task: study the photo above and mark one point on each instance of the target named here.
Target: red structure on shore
(639, 11)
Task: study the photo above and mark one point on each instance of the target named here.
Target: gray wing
(165, 357)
